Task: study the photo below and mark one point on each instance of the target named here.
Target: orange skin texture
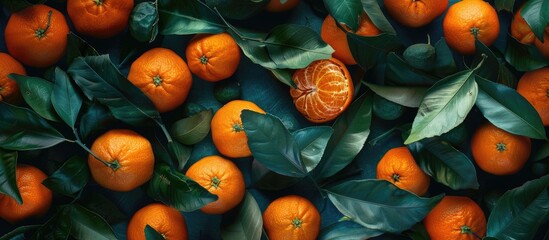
(134, 154)
(36, 197)
(337, 38)
(415, 13)
(100, 21)
(279, 216)
(9, 90)
(400, 162)
(485, 144)
(520, 30)
(324, 90)
(23, 43)
(227, 132)
(230, 188)
(445, 220)
(534, 86)
(465, 16)
(163, 76)
(164, 219)
(277, 6)
(213, 57)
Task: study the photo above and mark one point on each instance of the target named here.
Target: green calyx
(501, 147)
(98, 2)
(296, 223)
(238, 127)
(157, 81)
(215, 182)
(395, 177)
(203, 59)
(115, 165)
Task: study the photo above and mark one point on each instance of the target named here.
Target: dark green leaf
(536, 14)
(180, 153)
(447, 165)
(405, 96)
(19, 232)
(295, 46)
(542, 153)
(192, 129)
(101, 205)
(483, 53)
(284, 76)
(346, 12)
(65, 99)
(367, 50)
(400, 73)
(177, 190)
(100, 79)
(444, 62)
(347, 230)
(144, 22)
(15, 5)
(520, 211)
(506, 77)
(23, 129)
(508, 110)
(185, 17)
(523, 57)
(373, 10)
(263, 178)
(418, 232)
(445, 106)
(312, 142)
(86, 224)
(37, 94)
(506, 5)
(57, 227)
(245, 222)
(8, 183)
(380, 205)
(351, 130)
(152, 234)
(272, 144)
(252, 46)
(96, 117)
(489, 238)
(77, 47)
(70, 178)
(237, 9)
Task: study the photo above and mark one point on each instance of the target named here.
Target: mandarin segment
(415, 13)
(9, 90)
(130, 157)
(456, 218)
(99, 18)
(399, 167)
(36, 197)
(220, 177)
(324, 90)
(164, 219)
(291, 217)
(213, 57)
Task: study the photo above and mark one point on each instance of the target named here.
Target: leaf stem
(165, 131)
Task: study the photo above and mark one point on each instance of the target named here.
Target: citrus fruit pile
(274, 119)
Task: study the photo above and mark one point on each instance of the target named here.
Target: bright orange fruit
(9, 90)
(399, 167)
(291, 217)
(164, 219)
(534, 86)
(456, 218)
(415, 13)
(213, 57)
(99, 18)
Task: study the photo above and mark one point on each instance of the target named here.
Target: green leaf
(351, 130)
(19, 232)
(506, 5)
(152, 234)
(57, 227)
(380, 205)
(523, 57)
(445, 106)
(70, 178)
(347, 230)
(143, 23)
(519, 212)
(15, 5)
(177, 190)
(284, 76)
(483, 53)
(237, 9)
(101, 205)
(508, 110)
(37, 93)
(367, 50)
(265, 179)
(401, 73)
(346, 12)
(405, 96)
(295, 46)
(542, 153)
(536, 14)
(245, 222)
(180, 153)
(252, 46)
(8, 183)
(444, 62)
(186, 17)
(312, 142)
(100, 79)
(193, 129)
(86, 224)
(272, 144)
(65, 99)
(373, 10)
(447, 165)
(23, 129)
(77, 47)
